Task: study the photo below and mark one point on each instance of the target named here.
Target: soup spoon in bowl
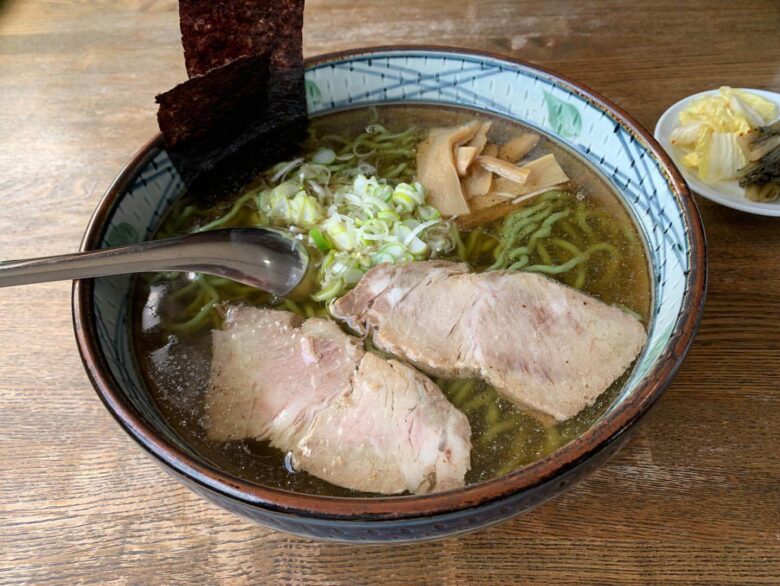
(271, 260)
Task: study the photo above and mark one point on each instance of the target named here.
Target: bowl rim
(379, 508)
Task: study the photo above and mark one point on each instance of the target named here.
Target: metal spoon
(267, 259)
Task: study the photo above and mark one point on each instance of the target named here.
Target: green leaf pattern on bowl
(563, 118)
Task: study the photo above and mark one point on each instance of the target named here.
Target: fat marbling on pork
(346, 415)
(541, 344)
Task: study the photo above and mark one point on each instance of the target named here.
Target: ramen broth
(176, 363)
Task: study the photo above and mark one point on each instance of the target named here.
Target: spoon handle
(261, 258)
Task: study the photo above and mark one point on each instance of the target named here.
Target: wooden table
(695, 497)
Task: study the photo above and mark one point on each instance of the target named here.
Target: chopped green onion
(282, 169)
(416, 192)
(403, 201)
(319, 239)
(395, 250)
(417, 247)
(324, 157)
(330, 291)
(418, 230)
(355, 200)
(389, 216)
(428, 212)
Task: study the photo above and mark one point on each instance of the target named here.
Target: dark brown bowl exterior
(407, 518)
(422, 528)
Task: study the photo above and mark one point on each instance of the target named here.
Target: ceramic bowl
(591, 126)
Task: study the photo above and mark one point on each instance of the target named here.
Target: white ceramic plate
(727, 193)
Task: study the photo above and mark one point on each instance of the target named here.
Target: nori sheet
(244, 107)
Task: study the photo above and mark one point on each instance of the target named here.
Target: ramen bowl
(599, 132)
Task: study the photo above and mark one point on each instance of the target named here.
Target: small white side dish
(726, 193)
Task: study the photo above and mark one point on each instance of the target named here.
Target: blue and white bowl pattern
(436, 77)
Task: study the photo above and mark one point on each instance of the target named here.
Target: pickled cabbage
(710, 130)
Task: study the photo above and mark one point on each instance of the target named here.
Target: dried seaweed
(244, 106)
(219, 32)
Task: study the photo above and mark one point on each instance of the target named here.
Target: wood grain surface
(694, 498)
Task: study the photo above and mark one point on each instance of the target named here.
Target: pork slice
(388, 300)
(393, 431)
(544, 346)
(387, 287)
(271, 372)
(346, 416)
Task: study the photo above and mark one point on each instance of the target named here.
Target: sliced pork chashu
(544, 346)
(346, 416)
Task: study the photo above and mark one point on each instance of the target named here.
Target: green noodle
(492, 415)
(528, 237)
(477, 402)
(545, 256)
(290, 305)
(228, 217)
(580, 216)
(460, 248)
(392, 155)
(496, 429)
(195, 323)
(459, 395)
(553, 234)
